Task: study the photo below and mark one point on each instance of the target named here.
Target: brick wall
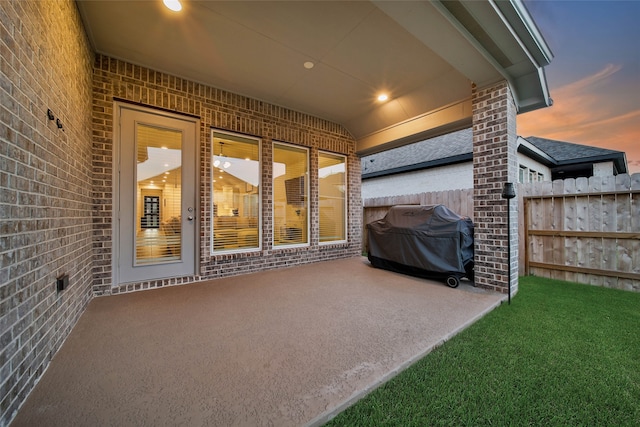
(45, 200)
(495, 162)
(117, 80)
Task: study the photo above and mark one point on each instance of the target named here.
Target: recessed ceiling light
(383, 97)
(174, 5)
(309, 65)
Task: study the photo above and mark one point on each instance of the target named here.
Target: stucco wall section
(216, 108)
(45, 187)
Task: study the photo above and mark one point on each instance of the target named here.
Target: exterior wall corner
(495, 162)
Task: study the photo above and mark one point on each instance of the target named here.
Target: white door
(155, 224)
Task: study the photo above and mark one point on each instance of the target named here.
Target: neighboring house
(569, 160)
(446, 163)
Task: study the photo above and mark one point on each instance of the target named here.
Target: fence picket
(583, 246)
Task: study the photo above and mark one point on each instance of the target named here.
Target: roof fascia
(525, 31)
(477, 46)
(523, 25)
(530, 90)
(530, 150)
(619, 159)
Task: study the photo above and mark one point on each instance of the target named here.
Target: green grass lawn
(562, 354)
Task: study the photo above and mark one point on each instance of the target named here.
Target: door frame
(118, 106)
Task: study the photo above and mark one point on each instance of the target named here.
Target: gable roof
(457, 147)
(568, 153)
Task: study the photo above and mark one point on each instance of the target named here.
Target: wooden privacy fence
(582, 230)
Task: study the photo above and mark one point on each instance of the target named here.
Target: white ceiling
(359, 48)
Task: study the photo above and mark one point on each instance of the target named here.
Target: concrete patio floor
(287, 347)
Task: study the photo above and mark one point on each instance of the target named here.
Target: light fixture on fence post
(508, 193)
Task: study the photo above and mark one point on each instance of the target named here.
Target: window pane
(290, 195)
(332, 194)
(235, 170)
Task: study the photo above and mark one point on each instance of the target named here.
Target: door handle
(190, 218)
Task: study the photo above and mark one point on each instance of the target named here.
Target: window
(235, 175)
(527, 175)
(290, 195)
(332, 197)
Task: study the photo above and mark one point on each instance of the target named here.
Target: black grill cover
(422, 240)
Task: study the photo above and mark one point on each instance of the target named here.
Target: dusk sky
(594, 78)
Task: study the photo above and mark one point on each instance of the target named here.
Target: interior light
(164, 148)
(174, 5)
(383, 97)
(226, 164)
(166, 165)
(309, 65)
(216, 163)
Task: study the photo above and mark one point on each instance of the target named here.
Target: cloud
(589, 81)
(581, 116)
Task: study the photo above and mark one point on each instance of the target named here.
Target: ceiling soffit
(415, 51)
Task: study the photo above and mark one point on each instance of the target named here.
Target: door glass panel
(158, 195)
